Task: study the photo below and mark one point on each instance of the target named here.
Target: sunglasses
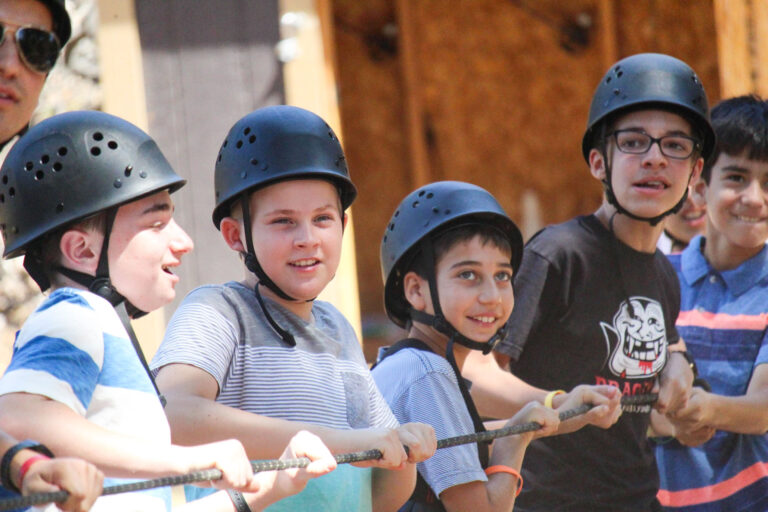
(37, 48)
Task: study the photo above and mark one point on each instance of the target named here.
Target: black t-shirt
(579, 318)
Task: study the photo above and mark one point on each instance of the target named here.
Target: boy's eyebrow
(735, 168)
(158, 207)
(288, 211)
(669, 132)
(474, 263)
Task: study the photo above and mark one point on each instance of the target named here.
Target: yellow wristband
(499, 468)
(551, 396)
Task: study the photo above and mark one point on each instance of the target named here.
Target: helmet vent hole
(252, 139)
(219, 158)
(435, 210)
(143, 174)
(5, 180)
(62, 151)
(98, 136)
(117, 183)
(39, 175)
(415, 204)
(246, 131)
(59, 207)
(385, 236)
(2, 198)
(11, 192)
(392, 226)
(57, 166)
(616, 92)
(619, 74)
(112, 144)
(330, 135)
(45, 159)
(254, 161)
(447, 212)
(608, 80)
(224, 144)
(128, 170)
(239, 144)
(430, 195)
(421, 194)
(29, 166)
(95, 151)
(397, 213)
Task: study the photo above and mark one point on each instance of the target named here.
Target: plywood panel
(206, 64)
(502, 95)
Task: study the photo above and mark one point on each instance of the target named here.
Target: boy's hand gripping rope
(302, 462)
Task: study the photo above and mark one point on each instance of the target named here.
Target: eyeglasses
(636, 142)
(37, 48)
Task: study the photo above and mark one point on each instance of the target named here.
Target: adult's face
(20, 86)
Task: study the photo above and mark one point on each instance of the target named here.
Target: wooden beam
(414, 109)
(734, 39)
(760, 35)
(609, 35)
(310, 82)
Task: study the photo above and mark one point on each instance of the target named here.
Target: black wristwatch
(688, 357)
(700, 382)
(5, 462)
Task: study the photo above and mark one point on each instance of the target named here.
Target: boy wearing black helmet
(448, 256)
(597, 303)
(239, 359)
(85, 198)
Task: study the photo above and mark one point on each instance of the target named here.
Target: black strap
(423, 494)
(123, 314)
(5, 463)
(284, 335)
(239, 501)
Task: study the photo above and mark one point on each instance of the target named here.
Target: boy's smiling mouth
(652, 183)
(303, 263)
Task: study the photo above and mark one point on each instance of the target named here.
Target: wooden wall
(495, 92)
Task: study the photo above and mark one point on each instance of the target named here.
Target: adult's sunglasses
(37, 48)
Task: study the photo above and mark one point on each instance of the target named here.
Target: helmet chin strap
(608, 188)
(438, 320)
(101, 284)
(250, 259)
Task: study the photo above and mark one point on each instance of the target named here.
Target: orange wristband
(28, 464)
(551, 396)
(506, 469)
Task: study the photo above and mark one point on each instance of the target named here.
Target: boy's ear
(416, 291)
(696, 174)
(344, 220)
(597, 164)
(230, 230)
(80, 250)
(699, 192)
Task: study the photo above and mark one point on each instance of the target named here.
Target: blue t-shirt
(723, 320)
(74, 349)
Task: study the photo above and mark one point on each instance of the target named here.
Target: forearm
(746, 414)
(496, 392)
(392, 488)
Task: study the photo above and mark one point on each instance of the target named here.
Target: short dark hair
(447, 239)
(741, 126)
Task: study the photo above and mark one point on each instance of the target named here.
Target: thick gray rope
(302, 462)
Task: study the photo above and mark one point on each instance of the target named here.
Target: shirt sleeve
(435, 399)
(58, 354)
(200, 334)
(535, 289)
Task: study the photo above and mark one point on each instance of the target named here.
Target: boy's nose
(754, 193)
(181, 243)
(654, 156)
(306, 236)
(490, 294)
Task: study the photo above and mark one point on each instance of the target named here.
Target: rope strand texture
(302, 462)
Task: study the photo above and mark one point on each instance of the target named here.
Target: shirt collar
(695, 267)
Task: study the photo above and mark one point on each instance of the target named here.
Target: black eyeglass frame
(697, 146)
(46, 62)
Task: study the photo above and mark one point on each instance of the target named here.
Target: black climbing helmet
(649, 80)
(426, 213)
(70, 167)
(275, 144)
(61, 24)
